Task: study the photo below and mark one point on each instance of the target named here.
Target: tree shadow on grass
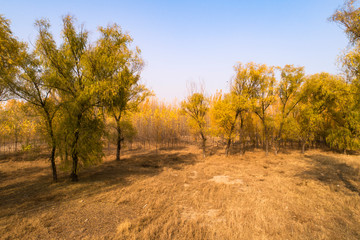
(332, 171)
(33, 191)
(29, 156)
(149, 163)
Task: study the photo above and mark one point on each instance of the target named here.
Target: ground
(177, 194)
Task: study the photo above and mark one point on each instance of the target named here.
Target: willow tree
(348, 17)
(289, 96)
(233, 106)
(344, 133)
(347, 133)
(74, 82)
(308, 122)
(242, 89)
(23, 76)
(196, 106)
(10, 53)
(257, 83)
(320, 94)
(225, 112)
(118, 68)
(30, 84)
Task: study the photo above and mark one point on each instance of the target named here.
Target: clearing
(175, 194)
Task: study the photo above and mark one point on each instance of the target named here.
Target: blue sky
(191, 41)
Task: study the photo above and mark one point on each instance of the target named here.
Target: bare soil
(176, 194)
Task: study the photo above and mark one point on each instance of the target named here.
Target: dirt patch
(191, 214)
(226, 180)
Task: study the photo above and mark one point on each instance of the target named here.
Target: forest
(78, 102)
(79, 97)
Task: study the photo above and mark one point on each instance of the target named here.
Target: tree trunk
(278, 137)
(16, 140)
(263, 143)
(204, 148)
(242, 138)
(203, 138)
(53, 145)
(244, 146)
(75, 158)
(266, 147)
(227, 148)
(303, 148)
(118, 141)
(241, 142)
(74, 152)
(266, 139)
(74, 176)
(53, 165)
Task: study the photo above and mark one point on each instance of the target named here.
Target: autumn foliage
(81, 97)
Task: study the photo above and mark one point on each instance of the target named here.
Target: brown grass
(175, 194)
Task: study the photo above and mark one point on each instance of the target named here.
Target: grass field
(176, 194)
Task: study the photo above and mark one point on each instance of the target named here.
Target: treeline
(79, 96)
(318, 110)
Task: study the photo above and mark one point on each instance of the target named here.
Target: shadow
(331, 171)
(172, 148)
(219, 148)
(32, 155)
(30, 190)
(149, 163)
(289, 151)
(238, 148)
(5, 176)
(216, 150)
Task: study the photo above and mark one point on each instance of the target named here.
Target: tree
(242, 88)
(257, 83)
(23, 77)
(319, 94)
(3, 92)
(118, 67)
(348, 17)
(344, 133)
(195, 107)
(309, 122)
(225, 113)
(74, 82)
(30, 84)
(10, 54)
(14, 119)
(289, 95)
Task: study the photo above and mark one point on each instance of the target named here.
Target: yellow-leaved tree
(117, 68)
(196, 106)
(289, 96)
(256, 84)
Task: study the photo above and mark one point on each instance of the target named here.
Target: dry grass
(176, 194)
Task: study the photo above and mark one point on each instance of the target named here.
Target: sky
(200, 41)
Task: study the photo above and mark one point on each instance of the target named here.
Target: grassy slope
(177, 195)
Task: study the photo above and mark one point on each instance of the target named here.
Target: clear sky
(188, 41)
